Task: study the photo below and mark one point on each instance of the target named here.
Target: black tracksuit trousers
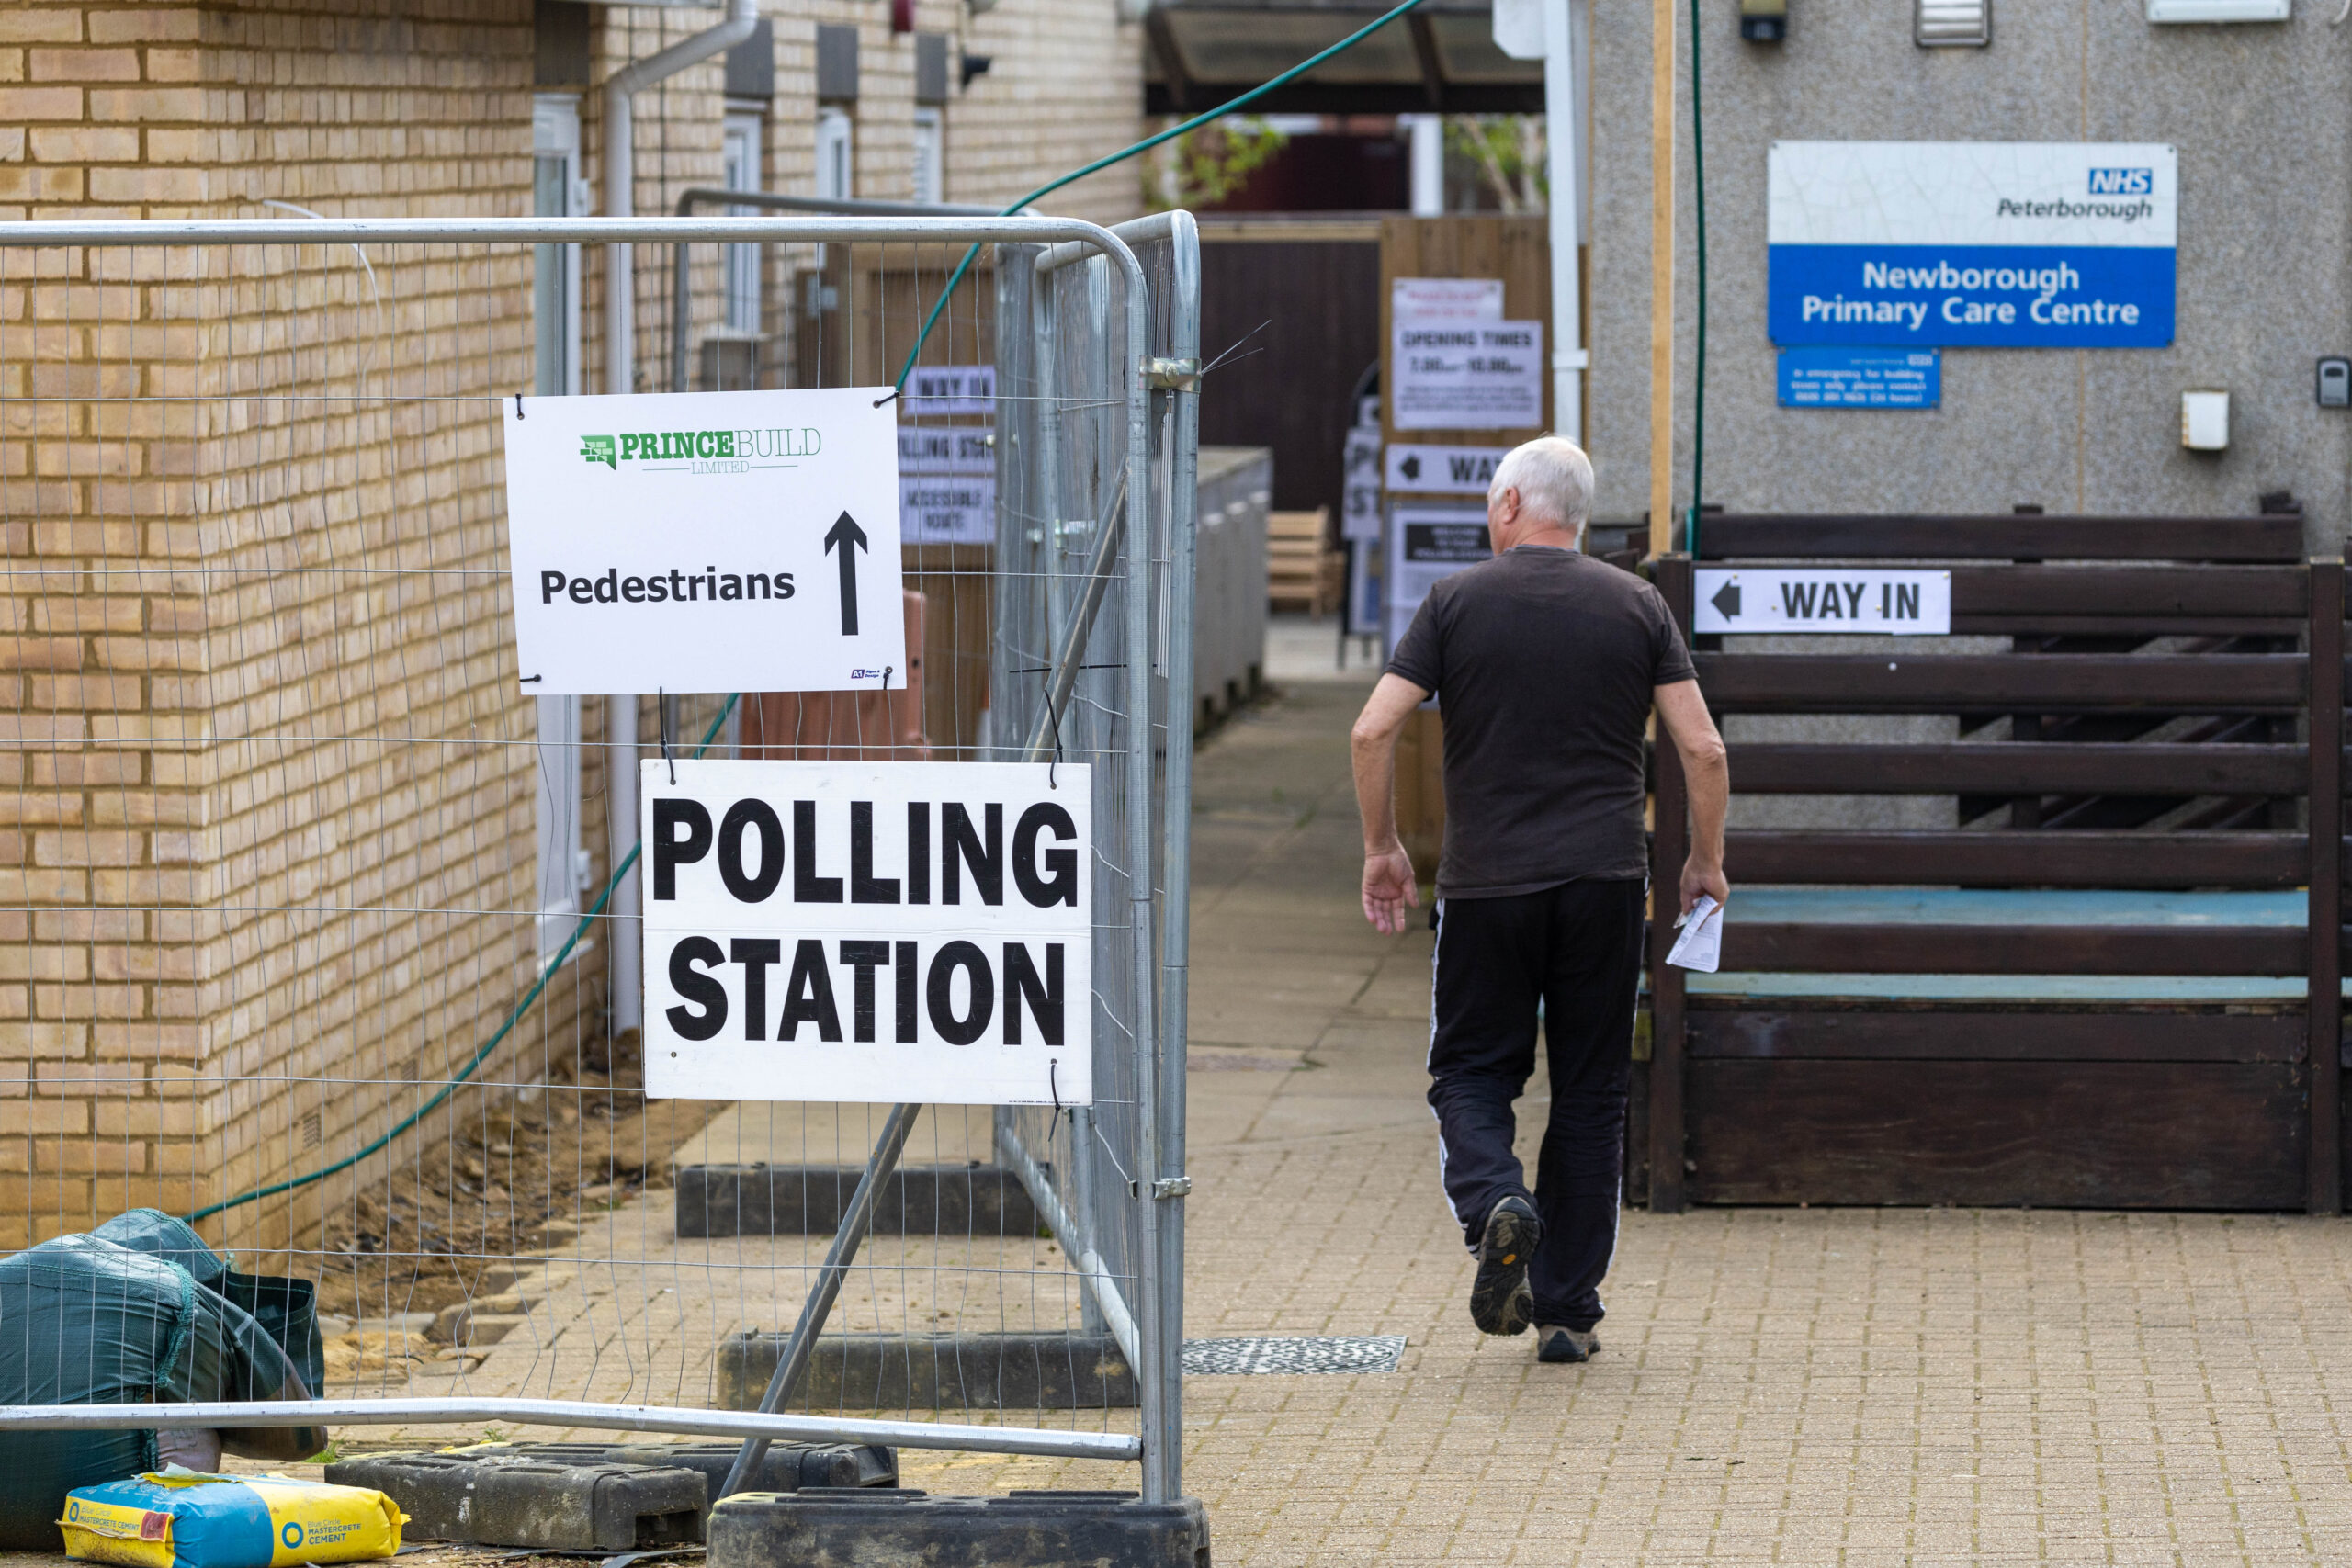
(1578, 949)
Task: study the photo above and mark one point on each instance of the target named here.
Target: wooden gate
(2142, 1016)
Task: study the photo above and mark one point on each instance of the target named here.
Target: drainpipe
(1563, 98)
(621, 376)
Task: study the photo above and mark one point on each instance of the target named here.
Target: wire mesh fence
(309, 913)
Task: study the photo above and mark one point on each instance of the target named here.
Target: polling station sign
(1982, 245)
(868, 931)
(1882, 602)
(704, 542)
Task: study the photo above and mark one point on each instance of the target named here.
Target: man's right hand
(1389, 888)
(1706, 877)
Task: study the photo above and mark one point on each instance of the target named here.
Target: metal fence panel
(307, 919)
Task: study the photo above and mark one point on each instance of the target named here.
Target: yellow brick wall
(267, 785)
(279, 835)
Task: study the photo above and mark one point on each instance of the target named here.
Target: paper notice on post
(1701, 945)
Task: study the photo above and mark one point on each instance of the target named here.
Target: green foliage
(1201, 168)
(1508, 151)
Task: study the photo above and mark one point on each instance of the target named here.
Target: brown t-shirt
(1543, 662)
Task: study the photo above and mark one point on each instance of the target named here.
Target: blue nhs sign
(1916, 245)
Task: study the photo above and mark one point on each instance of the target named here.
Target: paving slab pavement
(1776, 1386)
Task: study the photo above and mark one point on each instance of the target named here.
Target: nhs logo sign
(1912, 245)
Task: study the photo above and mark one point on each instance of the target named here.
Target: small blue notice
(1839, 378)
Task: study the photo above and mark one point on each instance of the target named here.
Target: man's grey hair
(1554, 478)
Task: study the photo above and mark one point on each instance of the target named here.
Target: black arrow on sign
(844, 534)
(1727, 599)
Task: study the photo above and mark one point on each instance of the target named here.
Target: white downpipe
(621, 376)
(1564, 148)
(1427, 145)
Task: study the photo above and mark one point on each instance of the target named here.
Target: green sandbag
(84, 1321)
(287, 1309)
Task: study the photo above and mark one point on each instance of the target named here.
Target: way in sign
(1735, 599)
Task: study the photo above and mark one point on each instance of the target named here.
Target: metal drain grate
(1342, 1353)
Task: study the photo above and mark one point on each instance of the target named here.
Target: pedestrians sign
(868, 931)
(1826, 599)
(704, 542)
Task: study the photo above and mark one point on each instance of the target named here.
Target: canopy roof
(1439, 58)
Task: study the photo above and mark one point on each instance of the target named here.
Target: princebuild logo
(702, 451)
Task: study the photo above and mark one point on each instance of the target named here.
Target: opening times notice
(1458, 375)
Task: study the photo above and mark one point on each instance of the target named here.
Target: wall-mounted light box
(2219, 10)
(1951, 24)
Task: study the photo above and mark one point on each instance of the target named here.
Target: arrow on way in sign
(844, 534)
(1727, 599)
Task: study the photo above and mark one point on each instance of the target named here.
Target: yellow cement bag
(181, 1519)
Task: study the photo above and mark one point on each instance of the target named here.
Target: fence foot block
(825, 1528)
(807, 1200)
(934, 1372)
(560, 1507)
(592, 1496)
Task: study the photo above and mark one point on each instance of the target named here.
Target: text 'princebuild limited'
(705, 541)
(868, 931)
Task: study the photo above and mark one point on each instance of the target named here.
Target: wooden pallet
(1304, 572)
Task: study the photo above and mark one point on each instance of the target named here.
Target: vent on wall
(1948, 24)
(314, 1130)
(2217, 10)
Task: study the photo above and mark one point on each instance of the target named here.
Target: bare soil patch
(493, 1180)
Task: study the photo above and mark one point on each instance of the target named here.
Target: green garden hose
(613, 883)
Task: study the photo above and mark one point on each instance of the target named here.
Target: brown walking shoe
(1501, 1300)
(1557, 1343)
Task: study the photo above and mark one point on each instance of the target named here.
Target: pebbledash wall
(2264, 286)
(227, 939)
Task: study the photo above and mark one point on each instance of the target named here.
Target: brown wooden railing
(1757, 1094)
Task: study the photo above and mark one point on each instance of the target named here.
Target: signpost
(1822, 599)
(704, 542)
(947, 484)
(2018, 244)
(1442, 471)
(950, 390)
(868, 931)
(1834, 377)
(1425, 544)
(1466, 375)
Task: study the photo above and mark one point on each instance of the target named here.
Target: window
(742, 173)
(555, 320)
(931, 174)
(555, 273)
(833, 169)
(564, 867)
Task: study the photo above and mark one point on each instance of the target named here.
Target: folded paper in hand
(1701, 945)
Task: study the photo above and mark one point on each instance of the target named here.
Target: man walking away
(1546, 664)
